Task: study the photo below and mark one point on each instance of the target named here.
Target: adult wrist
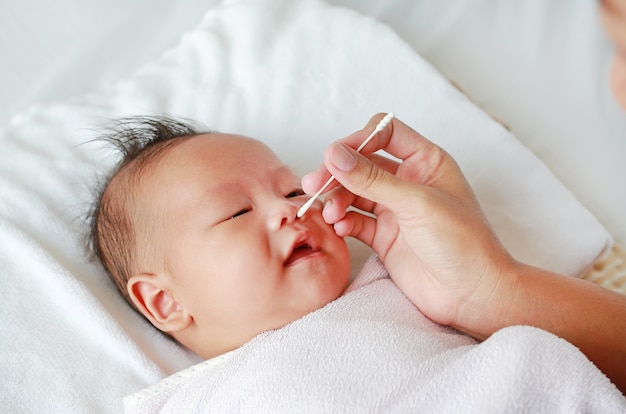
(496, 303)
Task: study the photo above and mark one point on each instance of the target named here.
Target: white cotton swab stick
(381, 125)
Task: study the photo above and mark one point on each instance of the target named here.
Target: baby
(199, 232)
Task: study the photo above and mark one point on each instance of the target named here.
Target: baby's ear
(157, 304)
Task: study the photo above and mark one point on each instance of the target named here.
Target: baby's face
(236, 257)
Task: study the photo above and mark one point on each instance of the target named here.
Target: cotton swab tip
(385, 121)
(305, 207)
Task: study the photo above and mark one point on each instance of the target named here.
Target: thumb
(362, 177)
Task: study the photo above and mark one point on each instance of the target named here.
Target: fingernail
(325, 210)
(342, 158)
(328, 203)
(305, 178)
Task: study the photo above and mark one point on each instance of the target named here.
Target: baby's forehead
(226, 148)
(220, 145)
(219, 158)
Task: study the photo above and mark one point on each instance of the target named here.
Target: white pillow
(540, 66)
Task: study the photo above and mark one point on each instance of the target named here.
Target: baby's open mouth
(300, 251)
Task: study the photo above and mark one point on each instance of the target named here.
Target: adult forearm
(587, 315)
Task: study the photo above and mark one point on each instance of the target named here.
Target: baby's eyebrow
(283, 170)
(278, 173)
(222, 187)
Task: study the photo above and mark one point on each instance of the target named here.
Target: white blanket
(371, 350)
(294, 74)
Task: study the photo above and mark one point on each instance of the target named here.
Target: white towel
(371, 350)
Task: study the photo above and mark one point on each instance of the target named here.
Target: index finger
(397, 139)
(422, 161)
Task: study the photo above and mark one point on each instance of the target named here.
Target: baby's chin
(314, 307)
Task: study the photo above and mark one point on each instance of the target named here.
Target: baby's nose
(285, 212)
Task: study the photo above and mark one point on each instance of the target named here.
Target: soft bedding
(372, 351)
(296, 75)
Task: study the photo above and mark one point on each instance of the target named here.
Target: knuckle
(372, 177)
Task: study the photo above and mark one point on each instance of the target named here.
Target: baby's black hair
(141, 140)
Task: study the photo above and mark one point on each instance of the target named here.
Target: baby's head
(199, 232)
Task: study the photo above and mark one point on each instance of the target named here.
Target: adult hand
(439, 249)
(428, 229)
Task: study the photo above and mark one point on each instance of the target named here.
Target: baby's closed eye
(295, 193)
(239, 213)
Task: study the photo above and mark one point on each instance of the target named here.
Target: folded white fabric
(296, 75)
(371, 350)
